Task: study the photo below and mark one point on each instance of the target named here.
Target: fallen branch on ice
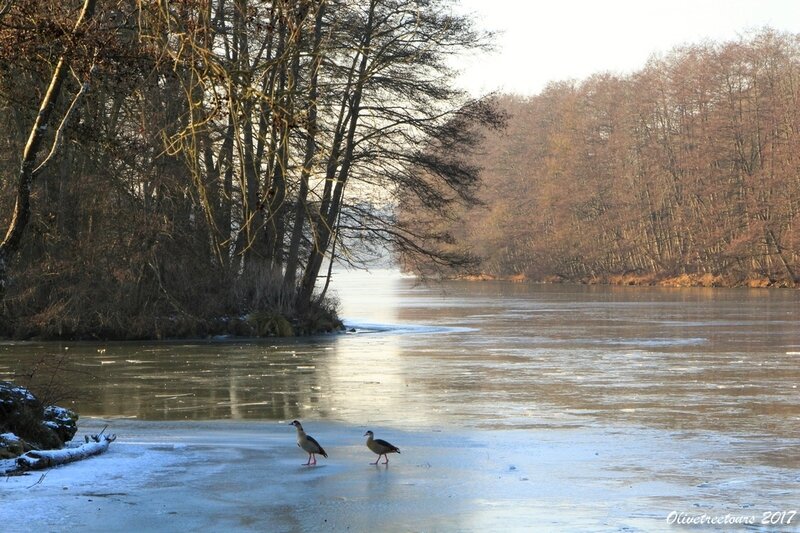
(41, 459)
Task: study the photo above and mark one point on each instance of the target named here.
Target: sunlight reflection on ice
(366, 327)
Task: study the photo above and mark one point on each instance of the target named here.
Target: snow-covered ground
(248, 476)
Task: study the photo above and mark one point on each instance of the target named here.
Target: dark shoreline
(186, 328)
(642, 280)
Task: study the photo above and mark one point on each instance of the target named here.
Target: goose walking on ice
(308, 444)
(381, 447)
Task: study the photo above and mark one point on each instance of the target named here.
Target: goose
(308, 444)
(380, 446)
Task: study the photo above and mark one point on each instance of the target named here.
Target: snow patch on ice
(380, 327)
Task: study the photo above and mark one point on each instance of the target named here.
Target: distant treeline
(687, 170)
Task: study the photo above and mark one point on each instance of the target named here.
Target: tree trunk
(292, 257)
(42, 459)
(327, 227)
(786, 266)
(22, 206)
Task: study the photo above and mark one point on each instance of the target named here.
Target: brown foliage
(684, 171)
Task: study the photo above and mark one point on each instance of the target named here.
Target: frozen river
(517, 407)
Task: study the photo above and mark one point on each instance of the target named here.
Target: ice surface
(381, 327)
(567, 409)
(248, 476)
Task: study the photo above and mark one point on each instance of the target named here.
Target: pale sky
(551, 40)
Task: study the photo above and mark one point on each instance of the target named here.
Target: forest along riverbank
(715, 208)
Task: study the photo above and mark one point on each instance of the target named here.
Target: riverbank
(644, 280)
(322, 318)
(248, 476)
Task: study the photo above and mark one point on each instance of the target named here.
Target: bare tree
(228, 151)
(33, 147)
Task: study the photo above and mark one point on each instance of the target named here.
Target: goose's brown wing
(319, 448)
(388, 446)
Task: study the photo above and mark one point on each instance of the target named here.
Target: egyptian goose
(308, 444)
(381, 447)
